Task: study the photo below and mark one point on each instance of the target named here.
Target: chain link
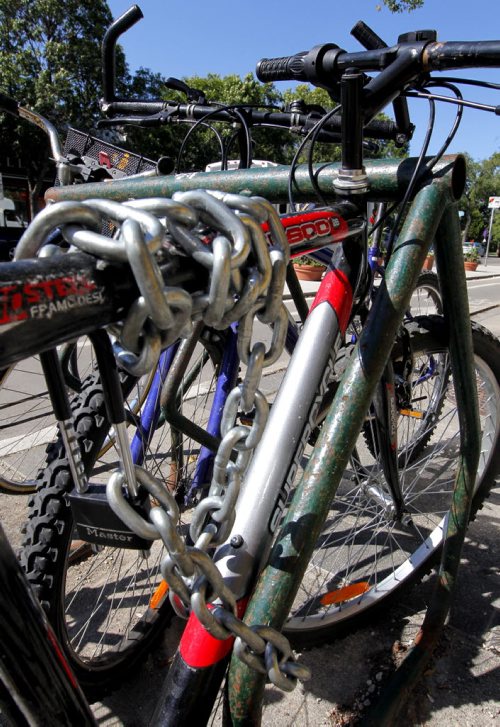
(223, 233)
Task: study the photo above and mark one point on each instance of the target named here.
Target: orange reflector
(344, 594)
(159, 595)
(411, 413)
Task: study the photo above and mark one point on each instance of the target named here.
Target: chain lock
(246, 274)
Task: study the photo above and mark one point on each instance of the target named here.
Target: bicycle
(180, 462)
(82, 147)
(393, 300)
(24, 400)
(90, 160)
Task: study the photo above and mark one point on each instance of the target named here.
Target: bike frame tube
(151, 412)
(278, 582)
(449, 260)
(388, 180)
(310, 364)
(48, 301)
(226, 381)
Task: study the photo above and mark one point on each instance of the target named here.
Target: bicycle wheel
(28, 427)
(364, 556)
(106, 604)
(426, 299)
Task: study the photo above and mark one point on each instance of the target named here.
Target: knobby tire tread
(49, 531)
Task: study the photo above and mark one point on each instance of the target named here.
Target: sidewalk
(482, 272)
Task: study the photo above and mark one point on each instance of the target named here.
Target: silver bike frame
(265, 488)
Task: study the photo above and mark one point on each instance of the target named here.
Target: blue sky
(182, 38)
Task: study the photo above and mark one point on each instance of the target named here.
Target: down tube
(293, 548)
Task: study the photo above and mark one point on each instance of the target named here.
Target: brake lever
(192, 94)
(152, 120)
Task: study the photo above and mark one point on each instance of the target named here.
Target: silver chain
(247, 268)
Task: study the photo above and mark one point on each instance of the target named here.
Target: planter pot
(468, 265)
(428, 263)
(309, 272)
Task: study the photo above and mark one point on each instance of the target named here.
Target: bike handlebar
(143, 111)
(11, 106)
(329, 61)
(117, 28)
(398, 67)
(462, 54)
(165, 111)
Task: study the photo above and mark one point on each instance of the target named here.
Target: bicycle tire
(413, 433)
(363, 558)
(426, 298)
(100, 603)
(28, 426)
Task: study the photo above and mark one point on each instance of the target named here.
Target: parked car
(479, 246)
(11, 229)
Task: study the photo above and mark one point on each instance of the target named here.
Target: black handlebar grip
(8, 104)
(379, 129)
(367, 37)
(288, 68)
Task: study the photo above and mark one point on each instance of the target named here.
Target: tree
(399, 6)
(483, 182)
(50, 60)
(203, 145)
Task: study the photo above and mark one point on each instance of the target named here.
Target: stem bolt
(236, 541)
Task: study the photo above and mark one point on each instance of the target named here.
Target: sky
(183, 38)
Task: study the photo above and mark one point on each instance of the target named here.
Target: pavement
(484, 271)
(461, 687)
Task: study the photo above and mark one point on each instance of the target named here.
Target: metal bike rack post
(456, 310)
(387, 179)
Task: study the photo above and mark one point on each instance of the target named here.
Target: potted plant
(471, 259)
(429, 261)
(308, 269)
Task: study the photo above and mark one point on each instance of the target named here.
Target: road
(484, 300)
(346, 675)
